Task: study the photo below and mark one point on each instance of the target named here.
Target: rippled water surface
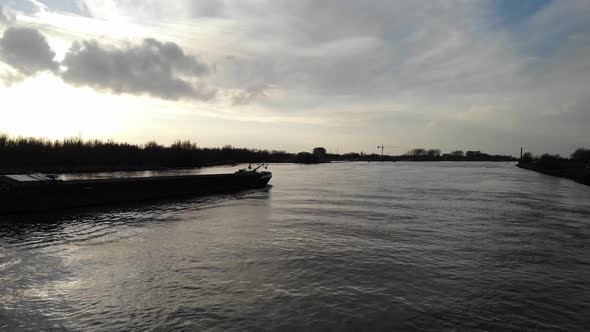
(351, 246)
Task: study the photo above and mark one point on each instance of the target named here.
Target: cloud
(438, 58)
(151, 67)
(9, 76)
(380, 47)
(335, 47)
(245, 97)
(158, 69)
(154, 9)
(6, 17)
(27, 51)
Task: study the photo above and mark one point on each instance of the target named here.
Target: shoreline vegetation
(424, 155)
(576, 168)
(75, 155)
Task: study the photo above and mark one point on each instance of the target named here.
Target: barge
(40, 192)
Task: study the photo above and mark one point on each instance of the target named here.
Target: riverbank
(74, 169)
(120, 168)
(579, 172)
(75, 155)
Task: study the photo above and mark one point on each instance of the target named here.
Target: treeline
(576, 167)
(458, 155)
(424, 155)
(37, 154)
(581, 156)
(29, 154)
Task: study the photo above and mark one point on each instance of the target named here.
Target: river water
(337, 247)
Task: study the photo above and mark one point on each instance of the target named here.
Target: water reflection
(406, 246)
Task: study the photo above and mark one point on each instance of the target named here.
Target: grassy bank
(573, 171)
(576, 168)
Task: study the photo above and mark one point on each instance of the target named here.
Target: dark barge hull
(59, 195)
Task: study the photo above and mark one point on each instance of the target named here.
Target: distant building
(319, 153)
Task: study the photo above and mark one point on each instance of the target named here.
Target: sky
(489, 75)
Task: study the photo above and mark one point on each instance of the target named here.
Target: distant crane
(382, 147)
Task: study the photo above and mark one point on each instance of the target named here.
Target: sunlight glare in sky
(482, 75)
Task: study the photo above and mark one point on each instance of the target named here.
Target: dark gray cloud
(27, 51)
(152, 67)
(207, 8)
(158, 69)
(245, 97)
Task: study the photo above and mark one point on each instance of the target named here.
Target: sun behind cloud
(225, 67)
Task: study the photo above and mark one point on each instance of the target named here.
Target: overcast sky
(490, 75)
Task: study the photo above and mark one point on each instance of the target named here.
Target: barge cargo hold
(39, 192)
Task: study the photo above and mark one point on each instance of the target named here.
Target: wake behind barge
(39, 192)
